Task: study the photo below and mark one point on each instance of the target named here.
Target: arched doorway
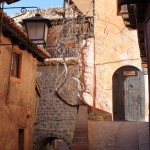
(128, 94)
(51, 143)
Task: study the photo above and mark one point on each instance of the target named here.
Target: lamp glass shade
(37, 28)
(46, 33)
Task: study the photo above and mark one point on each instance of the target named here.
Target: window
(21, 139)
(15, 65)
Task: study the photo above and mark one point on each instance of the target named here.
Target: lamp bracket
(22, 9)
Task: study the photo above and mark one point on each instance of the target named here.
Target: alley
(105, 135)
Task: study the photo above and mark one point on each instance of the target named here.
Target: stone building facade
(18, 96)
(114, 46)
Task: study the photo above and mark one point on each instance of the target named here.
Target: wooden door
(128, 94)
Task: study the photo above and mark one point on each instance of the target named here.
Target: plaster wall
(115, 46)
(17, 99)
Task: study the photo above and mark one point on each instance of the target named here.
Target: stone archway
(52, 141)
(51, 144)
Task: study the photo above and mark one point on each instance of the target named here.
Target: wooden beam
(123, 2)
(6, 33)
(23, 46)
(144, 59)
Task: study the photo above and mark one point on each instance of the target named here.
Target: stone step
(80, 138)
(105, 135)
(143, 136)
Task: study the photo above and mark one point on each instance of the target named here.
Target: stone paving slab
(104, 135)
(144, 137)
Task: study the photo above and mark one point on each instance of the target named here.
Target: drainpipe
(148, 65)
(94, 71)
(148, 60)
(94, 79)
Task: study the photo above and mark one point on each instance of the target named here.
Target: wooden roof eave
(126, 2)
(9, 1)
(141, 41)
(129, 16)
(56, 61)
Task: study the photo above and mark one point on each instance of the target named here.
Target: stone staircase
(143, 133)
(104, 135)
(80, 138)
(108, 135)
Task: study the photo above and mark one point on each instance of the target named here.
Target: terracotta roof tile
(9, 1)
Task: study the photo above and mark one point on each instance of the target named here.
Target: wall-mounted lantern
(37, 29)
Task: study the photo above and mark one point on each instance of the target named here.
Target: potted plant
(97, 116)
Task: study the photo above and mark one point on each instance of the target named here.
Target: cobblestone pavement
(104, 135)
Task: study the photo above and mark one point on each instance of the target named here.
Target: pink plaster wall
(115, 46)
(17, 99)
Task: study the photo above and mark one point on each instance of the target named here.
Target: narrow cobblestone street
(105, 135)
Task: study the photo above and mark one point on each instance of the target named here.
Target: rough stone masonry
(55, 118)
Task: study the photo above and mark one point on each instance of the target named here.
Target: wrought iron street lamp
(37, 29)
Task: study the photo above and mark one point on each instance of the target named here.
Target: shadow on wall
(51, 144)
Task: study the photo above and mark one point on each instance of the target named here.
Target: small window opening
(15, 65)
(21, 139)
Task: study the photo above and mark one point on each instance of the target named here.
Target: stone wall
(55, 118)
(17, 99)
